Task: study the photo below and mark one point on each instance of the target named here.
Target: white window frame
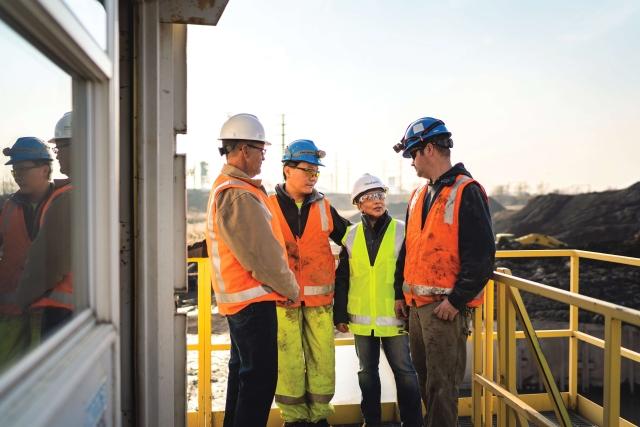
(54, 30)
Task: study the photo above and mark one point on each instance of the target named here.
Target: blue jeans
(396, 349)
(253, 366)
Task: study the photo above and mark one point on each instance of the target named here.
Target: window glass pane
(37, 292)
(93, 18)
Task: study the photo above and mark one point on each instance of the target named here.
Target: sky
(542, 94)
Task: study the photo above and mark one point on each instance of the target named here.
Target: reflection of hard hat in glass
(27, 148)
(63, 127)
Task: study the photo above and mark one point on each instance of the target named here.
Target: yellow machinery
(494, 391)
(541, 240)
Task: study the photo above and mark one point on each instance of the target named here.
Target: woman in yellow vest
(306, 354)
(365, 302)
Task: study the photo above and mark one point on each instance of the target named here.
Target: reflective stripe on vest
(318, 290)
(432, 252)
(371, 298)
(246, 295)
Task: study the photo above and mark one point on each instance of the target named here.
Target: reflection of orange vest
(310, 256)
(432, 261)
(234, 286)
(15, 245)
(61, 296)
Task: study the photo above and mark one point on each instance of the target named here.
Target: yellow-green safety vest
(371, 297)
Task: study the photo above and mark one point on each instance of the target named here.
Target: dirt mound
(579, 220)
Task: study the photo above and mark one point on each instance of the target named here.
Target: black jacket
(475, 240)
(373, 237)
(297, 218)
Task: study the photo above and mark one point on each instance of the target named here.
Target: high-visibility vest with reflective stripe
(61, 296)
(432, 261)
(15, 245)
(371, 297)
(309, 255)
(235, 287)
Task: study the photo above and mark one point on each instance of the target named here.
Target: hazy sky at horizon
(540, 92)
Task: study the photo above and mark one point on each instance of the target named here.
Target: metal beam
(197, 12)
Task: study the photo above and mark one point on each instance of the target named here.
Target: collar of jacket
(449, 177)
(315, 195)
(380, 223)
(233, 171)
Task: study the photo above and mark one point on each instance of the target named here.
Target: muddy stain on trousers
(306, 363)
(439, 354)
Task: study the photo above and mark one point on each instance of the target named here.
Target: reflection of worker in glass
(46, 285)
(19, 224)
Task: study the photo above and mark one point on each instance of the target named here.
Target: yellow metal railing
(493, 393)
(509, 405)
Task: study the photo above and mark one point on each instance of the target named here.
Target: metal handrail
(484, 386)
(505, 388)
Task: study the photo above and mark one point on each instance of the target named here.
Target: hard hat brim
(244, 139)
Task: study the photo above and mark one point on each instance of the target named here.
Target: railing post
(476, 388)
(488, 350)
(204, 343)
(611, 394)
(574, 286)
(507, 351)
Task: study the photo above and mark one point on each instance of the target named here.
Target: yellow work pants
(306, 363)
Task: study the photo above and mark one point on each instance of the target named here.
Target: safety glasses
(377, 195)
(414, 153)
(262, 150)
(23, 170)
(311, 173)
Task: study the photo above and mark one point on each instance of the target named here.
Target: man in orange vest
(248, 258)
(46, 287)
(445, 262)
(19, 224)
(306, 353)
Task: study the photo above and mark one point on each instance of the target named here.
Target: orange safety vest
(432, 261)
(61, 295)
(310, 256)
(15, 245)
(235, 287)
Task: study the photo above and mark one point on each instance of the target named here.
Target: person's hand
(401, 309)
(445, 311)
(342, 327)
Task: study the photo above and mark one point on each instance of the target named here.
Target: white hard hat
(365, 183)
(63, 127)
(243, 127)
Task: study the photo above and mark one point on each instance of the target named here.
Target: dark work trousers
(253, 366)
(439, 354)
(396, 349)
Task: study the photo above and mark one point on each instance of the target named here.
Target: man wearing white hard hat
(250, 271)
(365, 302)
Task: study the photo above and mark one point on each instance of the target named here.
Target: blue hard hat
(420, 132)
(303, 150)
(27, 148)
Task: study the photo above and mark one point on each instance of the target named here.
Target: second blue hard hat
(420, 132)
(303, 150)
(27, 148)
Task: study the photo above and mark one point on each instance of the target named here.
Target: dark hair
(289, 163)
(442, 144)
